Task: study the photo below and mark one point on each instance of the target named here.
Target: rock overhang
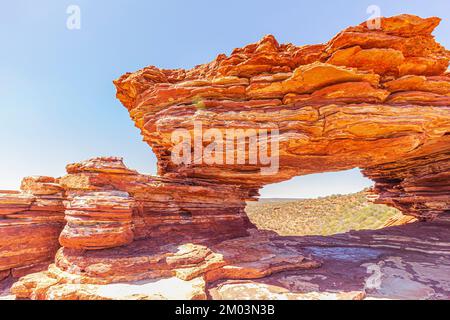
(376, 99)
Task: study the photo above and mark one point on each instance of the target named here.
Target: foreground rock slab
(179, 271)
(403, 262)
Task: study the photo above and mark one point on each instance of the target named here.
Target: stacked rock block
(419, 187)
(103, 204)
(126, 227)
(177, 210)
(98, 215)
(109, 205)
(30, 223)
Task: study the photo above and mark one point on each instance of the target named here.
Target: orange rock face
(372, 99)
(110, 205)
(30, 223)
(124, 227)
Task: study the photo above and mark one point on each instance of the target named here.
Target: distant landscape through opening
(321, 204)
(318, 185)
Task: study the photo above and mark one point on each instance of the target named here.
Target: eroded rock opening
(373, 99)
(318, 185)
(322, 204)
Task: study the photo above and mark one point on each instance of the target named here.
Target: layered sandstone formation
(30, 224)
(374, 99)
(124, 227)
(110, 205)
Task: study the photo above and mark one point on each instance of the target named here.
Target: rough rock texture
(124, 227)
(419, 187)
(110, 205)
(403, 262)
(81, 276)
(30, 223)
(373, 99)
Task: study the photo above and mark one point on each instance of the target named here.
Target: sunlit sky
(57, 101)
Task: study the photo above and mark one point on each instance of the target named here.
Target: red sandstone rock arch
(374, 99)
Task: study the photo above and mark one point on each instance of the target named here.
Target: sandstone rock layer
(373, 99)
(30, 224)
(124, 227)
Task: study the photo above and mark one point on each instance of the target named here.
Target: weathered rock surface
(30, 223)
(374, 99)
(403, 262)
(124, 227)
(111, 205)
(188, 264)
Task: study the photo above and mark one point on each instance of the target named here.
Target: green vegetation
(323, 216)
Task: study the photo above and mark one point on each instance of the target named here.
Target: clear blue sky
(57, 102)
